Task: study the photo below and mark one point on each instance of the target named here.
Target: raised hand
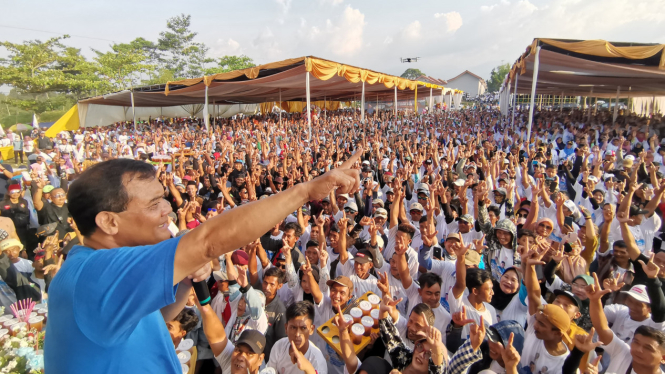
(388, 304)
(478, 244)
(510, 355)
(592, 368)
(383, 284)
(300, 360)
(341, 323)
(615, 283)
(594, 291)
(585, 343)
(477, 332)
(365, 221)
(650, 268)
(460, 319)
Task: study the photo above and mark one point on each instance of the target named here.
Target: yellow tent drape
(324, 70)
(604, 48)
(68, 122)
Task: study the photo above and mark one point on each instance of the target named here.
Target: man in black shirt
(50, 212)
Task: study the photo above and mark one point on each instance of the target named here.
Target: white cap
(639, 293)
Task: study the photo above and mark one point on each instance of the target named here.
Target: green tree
(35, 69)
(497, 76)
(411, 73)
(231, 63)
(122, 67)
(180, 54)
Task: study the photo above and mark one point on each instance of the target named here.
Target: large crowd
(489, 252)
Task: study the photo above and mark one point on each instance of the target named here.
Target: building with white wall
(469, 83)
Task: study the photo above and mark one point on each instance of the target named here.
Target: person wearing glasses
(54, 211)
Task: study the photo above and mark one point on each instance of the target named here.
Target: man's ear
(107, 222)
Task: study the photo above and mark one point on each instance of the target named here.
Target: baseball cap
(459, 182)
(378, 202)
(326, 199)
(253, 339)
(363, 256)
(390, 190)
(501, 191)
(416, 206)
(569, 295)
(638, 292)
(240, 258)
(366, 169)
(344, 195)
(559, 318)
(48, 188)
(453, 236)
(588, 279)
(344, 281)
(467, 218)
(351, 205)
(380, 212)
(635, 211)
(472, 258)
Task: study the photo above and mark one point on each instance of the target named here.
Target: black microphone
(202, 292)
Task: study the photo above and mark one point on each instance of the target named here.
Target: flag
(35, 124)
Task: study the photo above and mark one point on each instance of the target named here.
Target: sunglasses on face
(416, 212)
(422, 197)
(59, 195)
(212, 210)
(545, 226)
(349, 210)
(523, 215)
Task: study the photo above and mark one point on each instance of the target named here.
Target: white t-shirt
(280, 359)
(535, 357)
(446, 270)
(489, 314)
(441, 316)
(503, 260)
(224, 358)
(643, 233)
(360, 286)
(623, 326)
(396, 290)
(24, 266)
(621, 357)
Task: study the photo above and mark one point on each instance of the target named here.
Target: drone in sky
(409, 59)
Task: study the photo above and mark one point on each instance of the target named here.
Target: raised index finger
(510, 340)
(348, 163)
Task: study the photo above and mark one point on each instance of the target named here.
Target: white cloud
(487, 8)
(505, 2)
(453, 20)
(412, 30)
(225, 47)
(347, 36)
(285, 4)
(387, 40)
(331, 2)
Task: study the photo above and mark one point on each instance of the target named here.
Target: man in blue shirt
(109, 301)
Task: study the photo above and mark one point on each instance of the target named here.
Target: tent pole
(280, 107)
(131, 93)
(362, 105)
(395, 101)
(206, 114)
(430, 100)
(590, 97)
(517, 79)
(561, 103)
(616, 106)
(533, 94)
(309, 109)
(415, 100)
(629, 106)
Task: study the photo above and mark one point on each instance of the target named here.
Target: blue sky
(449, 36)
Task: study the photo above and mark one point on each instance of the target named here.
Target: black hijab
(500, 299)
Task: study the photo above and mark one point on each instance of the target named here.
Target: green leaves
(412, 73)
(231, 63)
(123, 66)
(497, 76)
